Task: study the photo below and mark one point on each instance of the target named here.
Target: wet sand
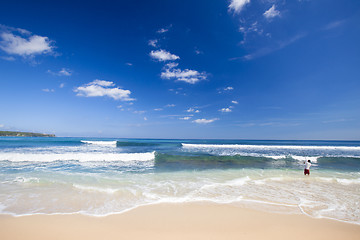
(177, 221)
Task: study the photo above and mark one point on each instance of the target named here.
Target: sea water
(99, 177)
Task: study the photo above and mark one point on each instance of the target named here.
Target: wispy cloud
(269, 124)
(164, 30)
(162, 55)
(16, 41)
(185, 118)
(175, 115)
(62, 85)
(337, 120)
(198, 52)
(47, 90)
(267, 50)
(225, 110)
(63, 72)
(170, 105)
(225, 89)
(153, 42)
(8, 58)
(235, 102)
(271, 13)
(193, 110)
(254, 27)
(334, 24)
(102, 88)
(238, 5)
(178, 91)
(139, 112)
(129, 64)
(205, 121)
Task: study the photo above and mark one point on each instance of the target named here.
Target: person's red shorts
(306, 171)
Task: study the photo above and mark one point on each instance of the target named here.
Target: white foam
(238, 181)
(103, 143)
(271, 147)
(82, 157)
(348, 181)
(274, 157)
(26, 180)
(95, 189)
(305, 158)
(2, 208)
(300, 158)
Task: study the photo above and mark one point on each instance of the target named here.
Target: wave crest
(82, 157)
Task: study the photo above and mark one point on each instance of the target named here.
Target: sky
(225, 69)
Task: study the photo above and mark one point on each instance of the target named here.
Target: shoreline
(177, 221)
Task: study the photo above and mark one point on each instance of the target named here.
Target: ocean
(102, 176)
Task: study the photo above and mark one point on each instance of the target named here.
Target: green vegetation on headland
(23, 134)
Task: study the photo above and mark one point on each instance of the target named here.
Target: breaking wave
(82, 157)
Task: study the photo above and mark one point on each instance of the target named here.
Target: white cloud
(170, 105)
(334, 24)
(102, 83)
(22, 42)
(225, 110)
(129, 64)
(8, 58)
(102, 88)
(153, 42)
(171, 65)
(205, 121)
(164, 30)
(228, 88)
(162, 55)
(271, 13)
(255, 28)
(265, 51)
(62, 85)
(2, 125)
(235, 102)
(238, 5)
(145, 119)
(139, 112)
(65, 72)
(158, 109)
(187, 75)
(62, 72)
(185, 118)
(193, 110)
(198, 52)
(47, 90)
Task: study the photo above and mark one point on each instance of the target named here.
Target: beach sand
(177, 221)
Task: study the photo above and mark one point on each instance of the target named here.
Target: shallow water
(106, 176)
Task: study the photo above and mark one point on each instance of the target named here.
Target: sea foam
(82, 157)
(102, 143)
(240, 146)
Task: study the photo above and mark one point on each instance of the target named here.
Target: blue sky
(240, 69)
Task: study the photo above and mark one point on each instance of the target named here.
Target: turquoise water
(106, 176)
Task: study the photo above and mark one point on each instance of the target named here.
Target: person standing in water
(307, 167)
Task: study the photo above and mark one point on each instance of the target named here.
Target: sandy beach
(177, 221)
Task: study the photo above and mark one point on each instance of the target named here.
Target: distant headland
(24, 134)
